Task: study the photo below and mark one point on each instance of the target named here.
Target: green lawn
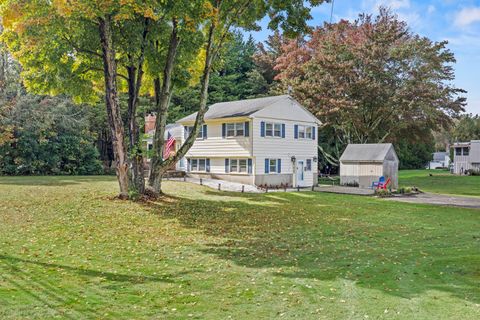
(68, 250)
(440, 181)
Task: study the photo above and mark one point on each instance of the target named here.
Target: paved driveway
(440, 199)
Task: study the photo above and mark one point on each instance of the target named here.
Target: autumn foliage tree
(371, 81)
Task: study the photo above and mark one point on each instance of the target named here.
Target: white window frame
(304, 132)
(307, 163)
(200, 132)
(235, 128)
(274, 166)
(197, 164)
(273, 130)
(238, 164)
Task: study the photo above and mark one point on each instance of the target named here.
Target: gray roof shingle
(374, 152)
(240, 108)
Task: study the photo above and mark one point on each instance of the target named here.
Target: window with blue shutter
(283, 130)
(267, 165)
(207, 167)
(188, 165)
(224, 130)
(247, 129)
(204, 133)
(249, 166)
(262, 129)
(279, 165)
(314, 129)
(227, 165)
(295, 131)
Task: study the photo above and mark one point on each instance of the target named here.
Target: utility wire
(331, 11)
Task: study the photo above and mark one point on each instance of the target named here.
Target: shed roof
(369, 152)
(240, 108)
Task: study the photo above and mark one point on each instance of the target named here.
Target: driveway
(440, 199)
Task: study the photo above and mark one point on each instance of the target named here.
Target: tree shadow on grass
(401, 250)
(52, 181)
(49, 293)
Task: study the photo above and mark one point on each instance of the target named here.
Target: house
(363, 164)
(439, 160)
(175, 130)
(268, 141)
(466, 156)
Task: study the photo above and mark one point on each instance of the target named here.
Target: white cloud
(431, 9)
(467, 16)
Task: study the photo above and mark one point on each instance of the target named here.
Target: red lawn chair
(383, 185)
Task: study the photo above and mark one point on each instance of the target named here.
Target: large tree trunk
(161, 166)
(135, 77)
(163, 94)
(112, 104)
(137, 176)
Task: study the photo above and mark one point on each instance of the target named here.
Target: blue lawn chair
(380, 182)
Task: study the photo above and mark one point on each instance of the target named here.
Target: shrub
(382, 193)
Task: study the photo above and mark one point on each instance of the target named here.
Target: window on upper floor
(304, 132)
(273, 129)
(458, 151)
(235, 129)
(466, 151)
(202, 132)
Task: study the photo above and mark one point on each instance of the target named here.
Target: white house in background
(363, 164)
(266, 141)
(439, 160)
(466, 155)
(174, 129)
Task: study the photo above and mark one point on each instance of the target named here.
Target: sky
(457, 21)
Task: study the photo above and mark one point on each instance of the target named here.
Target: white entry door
(300, 173)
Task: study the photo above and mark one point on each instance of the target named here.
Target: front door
(300, 173)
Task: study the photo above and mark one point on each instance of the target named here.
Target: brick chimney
(150, 122)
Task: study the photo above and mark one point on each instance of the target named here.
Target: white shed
(362, 164)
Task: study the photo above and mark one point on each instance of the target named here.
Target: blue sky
(457, 21)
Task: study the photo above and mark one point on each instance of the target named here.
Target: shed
(362, 164)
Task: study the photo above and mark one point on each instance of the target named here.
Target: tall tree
(372, 80)
(65, 47)
(219, 19)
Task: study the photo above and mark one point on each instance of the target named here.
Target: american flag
(168, 146)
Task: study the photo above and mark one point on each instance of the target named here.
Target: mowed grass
(440, 181)
(69, 250)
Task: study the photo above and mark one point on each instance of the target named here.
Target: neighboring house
(439, 160)
(466, 156)
(268, 141)
(363, 164)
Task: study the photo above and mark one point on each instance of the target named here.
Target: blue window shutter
(224, 130)
(267, 169)
(207, 165)
(313, 132)
(247, 129)
(262, 129)
(185, 133)
(249, 164)
(283, 130)
(204, 131)
(188, 165)
(227, 165)
(279, 165)
(295, 131)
